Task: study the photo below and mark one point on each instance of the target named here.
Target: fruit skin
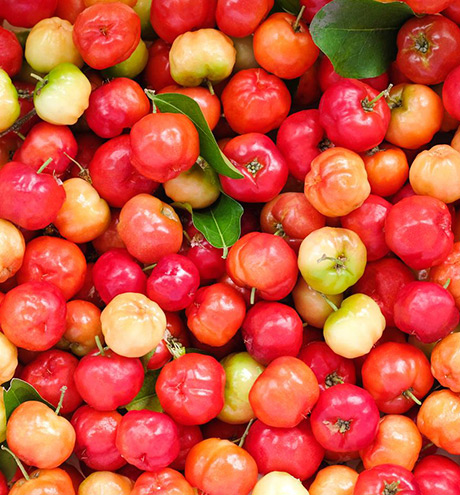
(213, 465)
(164, 145)
(241, 371)
(38, 436)
(132, 324)
(102, 481)
(31, 200)
(436, 472)
(342, 479)
(428, 48)
(240, 19)
(292, 450)
(426, 310)
(96, 23)
(354, 414)
(148, 440)
(216, 314)
(386, 477)
(108, 381)
(264, 169)
(284, 393)
(337, 182)
(276, 272)
(10, 103)
(204, 54)
(63, 95)
(9, 363)
(393, 368)
(418, 230)
(398, 441)
(444, 362)
(255, 101)
(33, 315)
(349, 117)
(191, 389)
(12, 249)
(165, 481)
(332, 259)
(96, 432)
(11, 58)
(43, 481)
(149, 228)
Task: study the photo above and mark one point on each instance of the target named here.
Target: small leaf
(19, 392)
(7, 464)
(221, 223)
(209, 149)
(182, 206)
(146, 398)
(359, 36)
(291, 6)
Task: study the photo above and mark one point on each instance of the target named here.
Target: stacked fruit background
(229, 247)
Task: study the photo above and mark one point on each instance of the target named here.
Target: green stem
(368, 106)
(174, 346)
(61, 399)
(447, 283)
(40, 170)
(331, 304)
(252, 298)
(210, 87)
(37, 77)
(19, 134)
(409, 395)
(18, 462)
(151, 95)
(149, 267)
(246, 433)
(296, 25)
(99, 345)
(84, 172)
(339, 263)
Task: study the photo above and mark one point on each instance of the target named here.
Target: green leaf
(291, 6)
(221, 223)
(209, 149)
(146, 398)
(19, 392)
(8, 465)
(359, 36)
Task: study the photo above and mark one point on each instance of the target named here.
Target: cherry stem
(337, 261)
(296, 25)
(331, 304)
(40, 170)
(19, 134)
(37, 77)
(151, 95)
(246, 433)
(210, 87)
(368, 106)
(19, 123)
(187, 236)
(149, 267)
(447, 283)
(409, 395)
(18, 462)
(427, 446)
(252, 298)
(61, 399)
(304, 325)
(99, 345)
(84, 172)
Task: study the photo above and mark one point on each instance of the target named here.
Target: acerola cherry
(96, 433)
(116, 272)
(426, 310)
(191, 389)
(173, 282)
(148, 440)
(271, 330)
(216, 314)
(49, 372)
(106, 380)
(164, 145)
(33, 315)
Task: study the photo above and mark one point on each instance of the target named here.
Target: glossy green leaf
(146, 398)
(19, 392)
(209, 149)
(221, 223)
(8, 465)
(291, 6)
(359, 36)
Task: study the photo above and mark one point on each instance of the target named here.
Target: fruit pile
(229, 247)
